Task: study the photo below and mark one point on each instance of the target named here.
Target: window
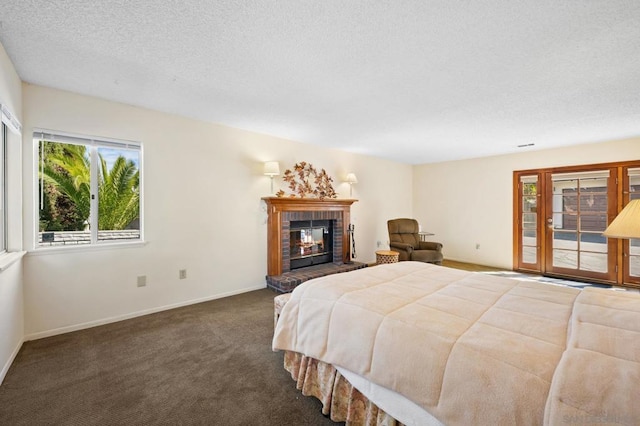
(3, 190)
(8, 123)
(89, 190)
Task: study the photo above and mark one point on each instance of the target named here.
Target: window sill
(85, 248)
(9, 258)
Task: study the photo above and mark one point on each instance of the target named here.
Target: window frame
(3, 189)
(92, 144)
(12, 158)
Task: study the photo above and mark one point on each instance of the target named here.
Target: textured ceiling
(410, 80)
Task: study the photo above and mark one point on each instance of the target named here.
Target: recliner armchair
(405, 239)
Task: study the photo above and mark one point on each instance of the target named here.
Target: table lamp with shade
(627, 224)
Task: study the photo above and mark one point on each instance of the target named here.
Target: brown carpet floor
(204, 364)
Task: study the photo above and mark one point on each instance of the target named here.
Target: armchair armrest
(401, 246)
(430, 245)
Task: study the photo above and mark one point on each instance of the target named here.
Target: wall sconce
(351, 179)
(272, 169)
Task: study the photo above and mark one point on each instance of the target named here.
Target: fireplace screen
(311, 242)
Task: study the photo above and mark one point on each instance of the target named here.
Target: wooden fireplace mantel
(276, 206)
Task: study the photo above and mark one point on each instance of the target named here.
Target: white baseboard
(76, 327)
(7, 365)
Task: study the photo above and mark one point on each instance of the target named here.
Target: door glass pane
(634, 243)
(118, 194)
(529, 237)
(529, 254)
(593, 202)
(593, 242)
(529, 188)
(593, 184)
(566, 201)
(634, 266)
(634, 257)
(579, 204)
(596, 262)
(529, 204)
(565, 259)
(634, 184)
(565, 240)
(593, 222)
(565, 222)
(529, 219)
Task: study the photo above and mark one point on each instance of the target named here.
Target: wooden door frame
(624, 262)
(615, 205)
(517, 229)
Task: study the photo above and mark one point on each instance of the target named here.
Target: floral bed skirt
(340, 400)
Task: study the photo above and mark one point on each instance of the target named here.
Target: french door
(559, 217)
(580, 205)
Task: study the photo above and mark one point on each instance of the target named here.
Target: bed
(434, 345)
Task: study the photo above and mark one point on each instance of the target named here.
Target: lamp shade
(271, 168)
(351, 178)
(627, 223)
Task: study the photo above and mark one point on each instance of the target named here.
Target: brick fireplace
(284, 210)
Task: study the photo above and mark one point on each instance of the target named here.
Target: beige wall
(202, 188)
(11, 299)
(202, 211)
(471, 202)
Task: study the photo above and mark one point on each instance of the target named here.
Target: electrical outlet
(182, 274)
(142, 280)
(477, 246)
(379, 243)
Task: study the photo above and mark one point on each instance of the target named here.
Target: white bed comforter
(472, 348)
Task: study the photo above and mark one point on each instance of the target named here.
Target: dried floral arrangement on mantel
(306, 181)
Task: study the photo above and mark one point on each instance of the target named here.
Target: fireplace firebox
(310, 242)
